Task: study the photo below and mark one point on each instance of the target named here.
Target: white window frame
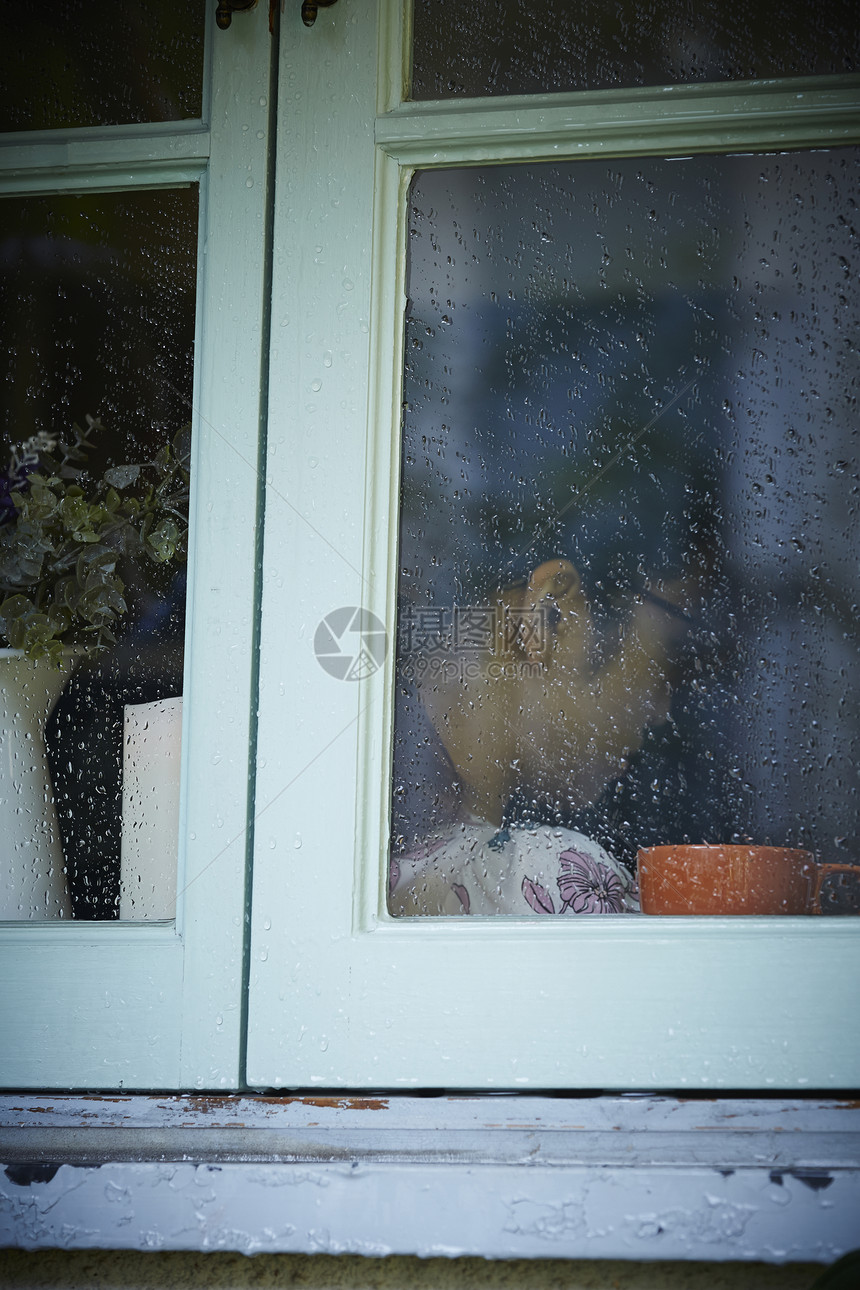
(338, 993)
(342, 995)
(162, 1005)
(579, 1178)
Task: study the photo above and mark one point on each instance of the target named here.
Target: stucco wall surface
(123, 1270)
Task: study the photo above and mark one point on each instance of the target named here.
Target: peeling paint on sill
(610, 1177)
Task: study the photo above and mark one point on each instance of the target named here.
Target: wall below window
(546, 1178)
(122, 1270)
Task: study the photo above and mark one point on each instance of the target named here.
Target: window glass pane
(518, 48)
(97, 307)
(629, 534)
(70, 63)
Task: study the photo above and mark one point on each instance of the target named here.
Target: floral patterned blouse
(476, 868)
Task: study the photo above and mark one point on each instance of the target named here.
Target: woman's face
(538, 712)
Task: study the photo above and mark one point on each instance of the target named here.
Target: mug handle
(821, 872)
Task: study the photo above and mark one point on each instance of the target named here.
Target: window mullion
(122, 156)
(787, 114)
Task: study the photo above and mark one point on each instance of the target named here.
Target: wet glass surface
(519, 48)
(628, 574)
(66, 63)
(97, 300)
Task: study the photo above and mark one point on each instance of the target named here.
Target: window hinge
(309, 10)
(226, 9)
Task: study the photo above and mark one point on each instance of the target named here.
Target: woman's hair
(425, 786)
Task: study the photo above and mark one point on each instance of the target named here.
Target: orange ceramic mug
(717, 879)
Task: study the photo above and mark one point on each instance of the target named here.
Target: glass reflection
(513, 48)
(71, 63)
(98, 296)
(629, 519)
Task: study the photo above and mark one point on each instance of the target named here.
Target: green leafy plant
(65, 537)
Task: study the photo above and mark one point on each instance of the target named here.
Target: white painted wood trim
(394, 56)
(105, 1005)
(122, 177)
(155, 138)
(342, 996)
(507, 1177)
(667, 121)
(226, 506)
(103, 159)
(376, 694)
